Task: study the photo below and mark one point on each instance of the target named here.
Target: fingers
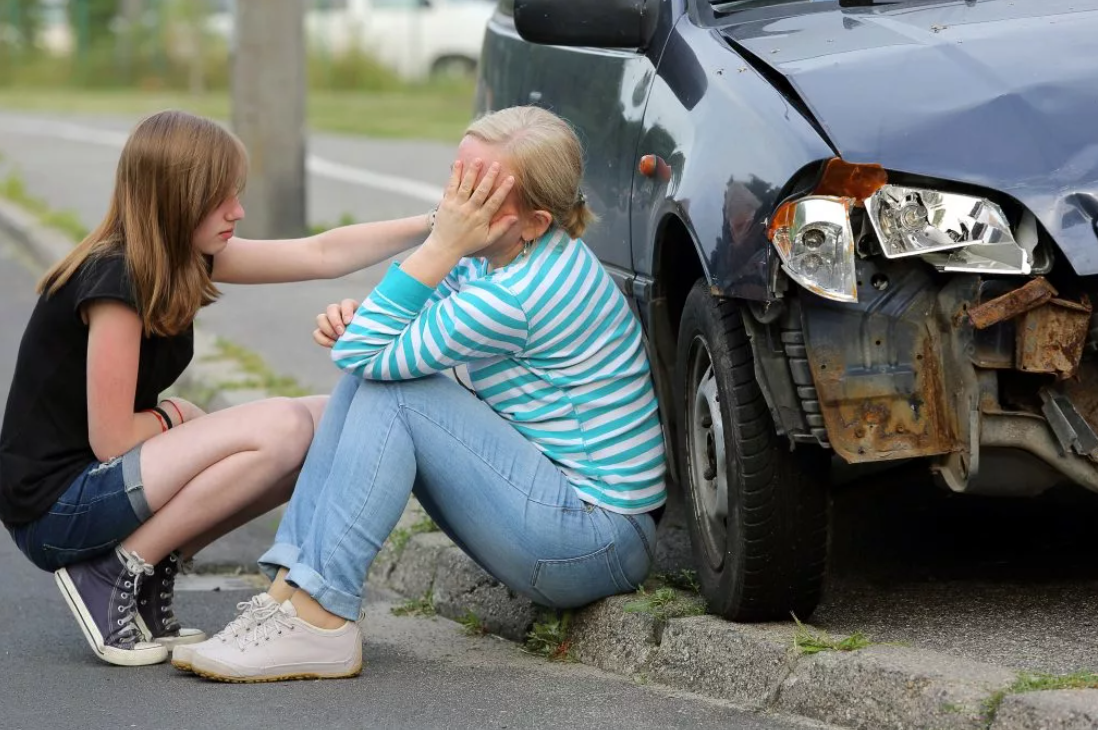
(323, 340)
(493, 203)
(349, 307)
(468, 180)
(330, 321)
(485, 187)
(455, 178)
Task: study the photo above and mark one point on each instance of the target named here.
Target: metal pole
(268, 100)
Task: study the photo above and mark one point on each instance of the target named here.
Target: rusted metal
(1030, 296)
(1082, 390)
(881, 416)
(1051, 337)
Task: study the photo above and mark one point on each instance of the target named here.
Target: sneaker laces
(128, 634)
(166, 592)
(269, 620)
(248, 613)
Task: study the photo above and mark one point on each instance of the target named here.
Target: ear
(536, 225)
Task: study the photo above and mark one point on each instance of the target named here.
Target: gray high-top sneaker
(155, 615)
(102, 595)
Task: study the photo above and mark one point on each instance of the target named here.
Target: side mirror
(599, 23)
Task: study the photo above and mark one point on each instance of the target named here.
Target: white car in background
(416, 38)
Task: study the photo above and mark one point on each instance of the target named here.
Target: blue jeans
(101, 508)
(496, 496)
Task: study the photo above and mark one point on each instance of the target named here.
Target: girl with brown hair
(100, 480)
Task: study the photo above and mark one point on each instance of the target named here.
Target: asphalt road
(419, 673)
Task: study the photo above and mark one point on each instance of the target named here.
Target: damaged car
(864, 231)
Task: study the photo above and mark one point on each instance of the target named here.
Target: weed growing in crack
(550, 638)
(424, 606)
(665, 603)
(684, 580)
(1037, 682)
(400, 536)
(810, 641)
(259, 374)
(472, 625)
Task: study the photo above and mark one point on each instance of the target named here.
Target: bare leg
(316, 405)
(278, 494)
(206, 472)
(280, 590)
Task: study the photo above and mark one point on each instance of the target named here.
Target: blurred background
(410, 62)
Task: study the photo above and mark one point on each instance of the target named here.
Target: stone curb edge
(749, 665)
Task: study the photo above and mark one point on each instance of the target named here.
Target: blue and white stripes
(551, 346)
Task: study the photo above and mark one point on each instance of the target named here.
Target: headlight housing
(952, 232)
(816, 245)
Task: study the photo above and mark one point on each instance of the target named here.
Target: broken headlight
(816, 246)
(951, 232)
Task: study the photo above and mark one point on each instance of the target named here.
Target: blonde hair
(546, 158)
(175, 169)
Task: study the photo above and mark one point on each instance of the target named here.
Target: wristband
(163, 414)
(170, 402)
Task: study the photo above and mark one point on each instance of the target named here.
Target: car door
(602, 92)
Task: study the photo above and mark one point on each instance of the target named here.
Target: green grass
(1038, 682)
(401, 535)
(260, 376)
(684, 580)
(14, 189)
(810, 641)
(666, 603)
(424, 606)
(434, 111)
(472, 625)
(550, 637)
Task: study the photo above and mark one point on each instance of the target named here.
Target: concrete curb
(751, 665)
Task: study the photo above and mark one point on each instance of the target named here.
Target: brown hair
(547, 161)
(175, 169)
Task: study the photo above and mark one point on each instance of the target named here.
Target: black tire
(771, 560)
(453, 67)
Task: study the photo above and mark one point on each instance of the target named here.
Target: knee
(287, 430)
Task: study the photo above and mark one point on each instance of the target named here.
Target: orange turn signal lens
(842, 179)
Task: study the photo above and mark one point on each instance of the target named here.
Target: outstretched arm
(328, 255)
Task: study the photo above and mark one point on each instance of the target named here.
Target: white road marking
(318, 166)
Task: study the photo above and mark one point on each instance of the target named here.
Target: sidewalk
(649, 639)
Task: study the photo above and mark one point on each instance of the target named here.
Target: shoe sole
(206, 673)
(183, 666)
(120, 657)
(168, 642)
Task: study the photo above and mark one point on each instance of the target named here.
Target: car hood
(1000, 93)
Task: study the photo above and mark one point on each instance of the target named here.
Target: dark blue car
(864, 230)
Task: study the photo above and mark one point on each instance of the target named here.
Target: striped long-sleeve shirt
(551, 345)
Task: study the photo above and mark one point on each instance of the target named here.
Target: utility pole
(268, 98)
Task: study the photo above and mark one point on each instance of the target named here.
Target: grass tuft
(665, 603)
(550, 637)
(424, 606)
(811, 641)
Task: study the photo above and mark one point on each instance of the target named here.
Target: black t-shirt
(44, 441)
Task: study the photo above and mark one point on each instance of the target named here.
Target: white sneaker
(182, 653)
(281, 646)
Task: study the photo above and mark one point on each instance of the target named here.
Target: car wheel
(757, 512)
(453, 67)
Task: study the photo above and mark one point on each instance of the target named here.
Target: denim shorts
(101, 508)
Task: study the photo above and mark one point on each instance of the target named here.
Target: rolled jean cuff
(332, 599)
(135, 483)
(281, 555)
